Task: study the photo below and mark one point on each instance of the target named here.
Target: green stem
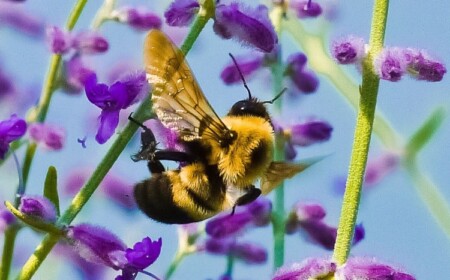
(103, 13)
(363, 132)
(111, 156)
(8, 250)
(230, 265)
(174, 264)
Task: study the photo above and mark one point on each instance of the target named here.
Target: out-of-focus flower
(6, 86)
(313, 268)
(58, 40)
(181, 12)
(75, 74)
(38, 206)
(305, 80)
(137, 18)
(256, 213)
(391, 64)
(10, 130)
(87, 270)
(379, 167)
(89, 42)
(6, 219)
(305, 9)
(308, 218)
(250, 253)
(248, 65)
(17, 18)
(112, 99)
(368, 268)
(51, 136)
(349, 49)
(250, 26)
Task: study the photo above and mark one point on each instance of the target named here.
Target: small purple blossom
(379, 167)
(250, 253)
(58, 40)
(17, 18)
(422, 66)
(247, 65)
(89, 42)
(51, 136)
(144, 253)
(313, 268)
(308, 133)
(10, 130)
(6, 219)
(250, 26)
(228, 225)
(75, 74)
(306, 9)
(349, 49)
(112, 99)
(139, 19)
(181, 12)
(391, 64)
(38, 206)
(6, 85)
(368, 268)
(305, 80)
(166, 136)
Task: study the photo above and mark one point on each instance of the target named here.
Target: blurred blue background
(399, 228)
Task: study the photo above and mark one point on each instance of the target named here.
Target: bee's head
(251, 106)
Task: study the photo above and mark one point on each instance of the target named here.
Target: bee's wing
(279, 171)
(177, 98)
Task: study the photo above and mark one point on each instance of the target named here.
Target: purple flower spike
(51, 136)
(181, 12)
(144, 253)
(308, 269)
(89, 42)
(112, 99)
(251, 27)
(309, 133)
(306, 9)
(38, 206)
(96, 244)
(391, 64)
(10, 130)
(350, 49)
(58, 40)
(139, 19)
(367, 268)
(249, 253)
(248, 65)
(228, 225)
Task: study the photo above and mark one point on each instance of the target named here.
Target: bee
(223, 157)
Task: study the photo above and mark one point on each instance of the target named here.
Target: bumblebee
(223, 157)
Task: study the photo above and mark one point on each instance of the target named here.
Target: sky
(399, 227)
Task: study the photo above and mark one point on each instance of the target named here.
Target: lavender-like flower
(52, 137)
(249, 26)
(181, 12)
(10, 130)
(391, 64)
(379, 167)
(306, 9)
(75, 74)
(247, 65)
(349, 49)
(422, 66)
(305, 80)
(139, 19)
(16, 17)
(367, 268)
(39, 207)
(112, 99)
(58, 40)
(250, 253)
(308, 133)
(89, 42)
(313, 268)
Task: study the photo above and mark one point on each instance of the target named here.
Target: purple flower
(391, 64)
(96, 244)
(367, 268)
(6, 86)
(89, 42)
(139, 19)
(39, 207)
(251, 27)
(58, 40)
(305, 80)
(6, 219)
(248, 252)
(169, 138)
(312, 132)
(16, 17)
(118, 190)
(261, 210)
(51, 136)
(144, 253)
(346, 50)
(87, 270)
(380, 167)
(75, 74)
(422, 66)
(313, 268)
(112, 99)
(181, 12)
(305, 9)
(247, 65)
(228, 225)
(10, 130)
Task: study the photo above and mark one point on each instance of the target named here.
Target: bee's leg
(155, 166)
(251, 195)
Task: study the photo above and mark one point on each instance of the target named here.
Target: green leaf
(51, 187)
(425, 132)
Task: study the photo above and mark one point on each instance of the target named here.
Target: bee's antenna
(242, 76)
(133, 120)
(276, 97)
